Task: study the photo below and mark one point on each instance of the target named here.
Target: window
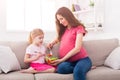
(15, 14)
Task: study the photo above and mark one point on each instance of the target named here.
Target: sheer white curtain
(24, 15)
(15, 14)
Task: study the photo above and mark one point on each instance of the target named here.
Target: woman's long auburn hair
(68, 15)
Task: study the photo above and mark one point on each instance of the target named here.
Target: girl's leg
(65, 68)
(81, 68)
(29, 70)
(51, 70)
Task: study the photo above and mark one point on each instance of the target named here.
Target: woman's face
(62, 20)
(38, 40)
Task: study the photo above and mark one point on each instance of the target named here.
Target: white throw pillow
(113, 60)
(8, 60)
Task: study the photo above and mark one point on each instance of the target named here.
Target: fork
(51, 53)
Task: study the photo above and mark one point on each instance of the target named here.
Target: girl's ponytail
(30, 38)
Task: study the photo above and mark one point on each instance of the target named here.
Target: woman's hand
(56, 62)
(50, 45)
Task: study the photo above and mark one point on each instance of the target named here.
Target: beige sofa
(98, 51)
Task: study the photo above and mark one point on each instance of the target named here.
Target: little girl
(35, 54)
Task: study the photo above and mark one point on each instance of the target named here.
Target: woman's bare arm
(76, 49)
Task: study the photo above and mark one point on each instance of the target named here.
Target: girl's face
(62, 20)
(38, 40)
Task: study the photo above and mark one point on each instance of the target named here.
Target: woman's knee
(61, 67)
(64, 68)
(82, 67)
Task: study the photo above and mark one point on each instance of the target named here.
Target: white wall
(111, 24)
(112, 16)
(2, 15)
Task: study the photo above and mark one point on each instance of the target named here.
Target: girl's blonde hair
(34, 33)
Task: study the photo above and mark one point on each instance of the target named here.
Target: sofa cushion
(103, 73)
(19, 48)
(16, 75)
(8, 60)
(113, 60)
(53, 76)
(98, 50)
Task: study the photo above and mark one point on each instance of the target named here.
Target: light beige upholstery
(53, 76)
(98, 50)
(103, 73)
(16, 75)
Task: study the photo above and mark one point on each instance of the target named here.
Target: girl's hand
(28, 58)
(38, 55)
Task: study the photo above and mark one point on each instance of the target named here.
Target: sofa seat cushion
(16, 75)
(53, 76)
(103, 73)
